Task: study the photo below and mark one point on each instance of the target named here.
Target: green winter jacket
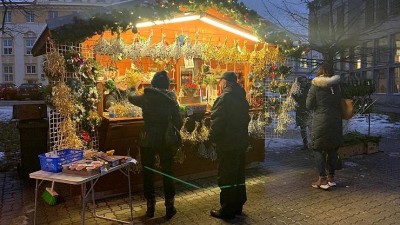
(230, 120)
(324, 100)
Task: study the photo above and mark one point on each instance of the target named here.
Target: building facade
(22, 25)
(366, 39)
(306, 66)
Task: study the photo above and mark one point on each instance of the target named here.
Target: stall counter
(122, 135)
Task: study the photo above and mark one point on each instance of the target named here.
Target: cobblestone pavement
(279, 192)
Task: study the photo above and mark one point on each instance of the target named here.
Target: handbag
(347, 108)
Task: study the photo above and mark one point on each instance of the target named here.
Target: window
(314, 64)
(324, 27)
(396, 81)
(337, 62)
(7, 46)
(381, 79)
(28, 45)
(303, 63)
(394, 7)
(340, 19)
(381, 13)
(7, 17)
(346, 60)
(8, 73)
(30, 17)
(367, 75)
(357, 57)
(30, 69)
(369, 12)
(383, 51)
(370, 53)
(397, 48)
(52, 15)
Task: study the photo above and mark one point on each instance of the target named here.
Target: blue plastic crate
(65, 156)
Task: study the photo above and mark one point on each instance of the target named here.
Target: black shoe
(151, 205)
(217, 214)
(170, 213)
(239, 211)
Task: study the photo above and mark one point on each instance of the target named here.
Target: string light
(207, 20)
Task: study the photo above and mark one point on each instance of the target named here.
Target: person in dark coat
(229, 131)
(326, 131)
(158, 104)
(302, 113)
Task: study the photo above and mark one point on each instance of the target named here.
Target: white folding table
(83, 180)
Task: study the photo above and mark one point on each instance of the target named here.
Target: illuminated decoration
(229, 28)
(174, 20)
(208, 20)
(358, 64)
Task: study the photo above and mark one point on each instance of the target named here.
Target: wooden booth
(195, 49)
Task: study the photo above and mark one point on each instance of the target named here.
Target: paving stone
(278, 191)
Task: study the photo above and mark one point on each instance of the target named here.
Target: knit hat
(229, 76)
(160, 80)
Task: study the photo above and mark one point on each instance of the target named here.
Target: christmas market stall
(117, 51)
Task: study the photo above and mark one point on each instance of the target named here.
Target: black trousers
(166, 160)
(231, 180)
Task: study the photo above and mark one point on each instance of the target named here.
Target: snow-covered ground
(380, 125)
(5, 113)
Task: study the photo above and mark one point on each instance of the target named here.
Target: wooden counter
(122, 135)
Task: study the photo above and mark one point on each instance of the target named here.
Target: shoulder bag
(172, 135)
(347, 108)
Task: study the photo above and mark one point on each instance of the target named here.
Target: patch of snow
(5, 113)
(350, 164)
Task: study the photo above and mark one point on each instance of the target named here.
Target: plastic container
(112, 113)
(65, 156)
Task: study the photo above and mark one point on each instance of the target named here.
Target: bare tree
(21, 6)
(336, 27)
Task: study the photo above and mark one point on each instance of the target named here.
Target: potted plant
(189, 89)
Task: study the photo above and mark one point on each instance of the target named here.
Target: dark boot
(220, 215)
(170, 208)
(239, 210)
(151, 206)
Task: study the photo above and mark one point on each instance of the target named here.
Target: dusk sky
(273, 11)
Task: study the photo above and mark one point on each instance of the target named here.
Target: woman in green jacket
(326, 130)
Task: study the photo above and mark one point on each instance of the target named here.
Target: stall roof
(39, 47)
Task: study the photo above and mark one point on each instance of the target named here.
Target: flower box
(372, 147)
(351, 150)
